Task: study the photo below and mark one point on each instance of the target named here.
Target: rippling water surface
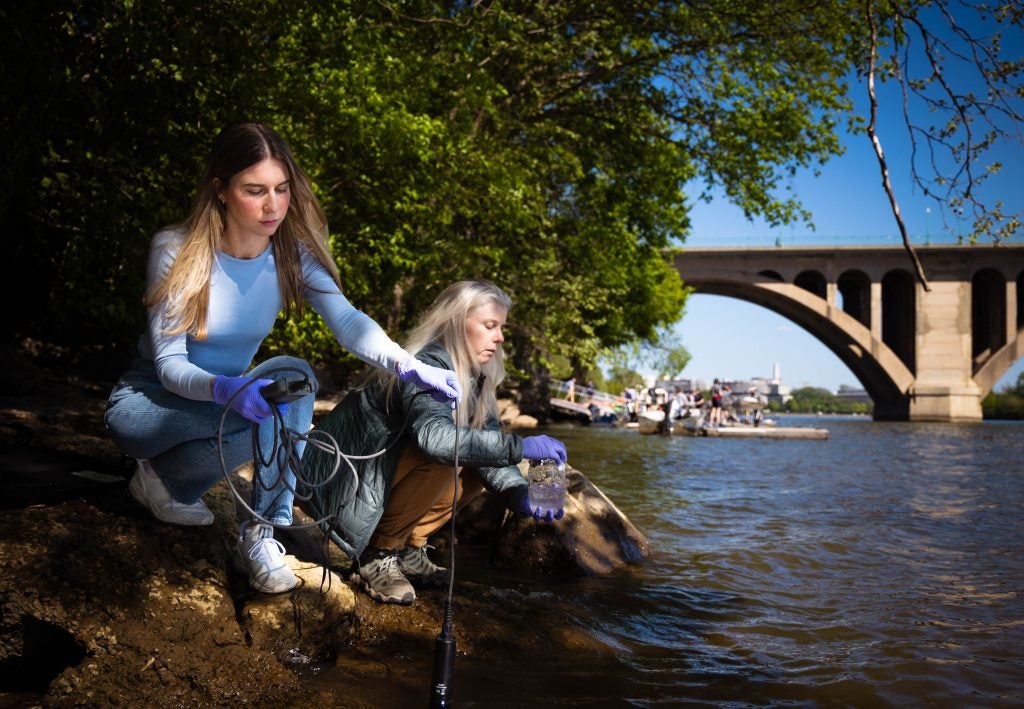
(882, 567)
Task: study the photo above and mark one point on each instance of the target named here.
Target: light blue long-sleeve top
(245, 300)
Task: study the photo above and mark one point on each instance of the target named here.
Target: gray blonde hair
(445, 323)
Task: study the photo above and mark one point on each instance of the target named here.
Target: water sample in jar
(547, 486)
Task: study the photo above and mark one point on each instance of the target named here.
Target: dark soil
(102, 605)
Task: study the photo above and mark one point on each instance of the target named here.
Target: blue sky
(733, 339)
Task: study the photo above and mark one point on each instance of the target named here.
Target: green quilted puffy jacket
(364, 423)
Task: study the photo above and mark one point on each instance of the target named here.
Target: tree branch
(877, 144)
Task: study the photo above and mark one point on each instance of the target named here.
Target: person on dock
(715, 417)
(629, 394)
(405, 494)
(254, 244)
(697, 400)
(570, 389)
(678, 406)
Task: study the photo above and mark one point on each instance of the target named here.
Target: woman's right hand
(541, 447)
(249, 403)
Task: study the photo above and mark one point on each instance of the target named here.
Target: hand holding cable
(442, 384)
(242, 394)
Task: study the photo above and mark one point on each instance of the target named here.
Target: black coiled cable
(286, 441)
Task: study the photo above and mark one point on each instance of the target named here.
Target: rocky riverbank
(102, 605)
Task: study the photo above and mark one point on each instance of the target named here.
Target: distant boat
(746, 411)
(650, 421)
(653, 422)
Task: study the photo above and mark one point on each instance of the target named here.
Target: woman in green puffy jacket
(383, 519)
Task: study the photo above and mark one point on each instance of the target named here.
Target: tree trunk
(534, 387)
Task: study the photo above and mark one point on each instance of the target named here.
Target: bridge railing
(568, 390)
(783, 240)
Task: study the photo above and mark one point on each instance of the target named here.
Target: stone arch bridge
(921, 355)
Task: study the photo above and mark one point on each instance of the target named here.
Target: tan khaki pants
(421, 500)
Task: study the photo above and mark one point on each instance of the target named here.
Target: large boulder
(511, 417)
(593, 537)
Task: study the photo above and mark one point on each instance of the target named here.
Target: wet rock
(312, 621)
(593, 537)
(148, 604)
(512, 418)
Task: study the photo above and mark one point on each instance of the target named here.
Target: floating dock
(817, 434)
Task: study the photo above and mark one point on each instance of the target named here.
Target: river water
(882, 567)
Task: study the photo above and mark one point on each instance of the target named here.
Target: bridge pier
(944, 403)
(943, 388)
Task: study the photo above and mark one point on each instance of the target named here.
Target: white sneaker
(261, 557)
(147, 487)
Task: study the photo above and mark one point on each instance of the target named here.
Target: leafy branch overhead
(552, 147)
(960, 47)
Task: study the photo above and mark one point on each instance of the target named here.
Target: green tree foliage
(543, 145)
(112, 107)
(811, 400)
(621, 378)
(1006, 404)
(664, 354)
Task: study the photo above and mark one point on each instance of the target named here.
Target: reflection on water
(883, 566)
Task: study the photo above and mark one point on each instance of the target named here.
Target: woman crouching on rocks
(383, 521)
(255, 244)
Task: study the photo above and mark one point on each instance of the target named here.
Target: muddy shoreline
(102, 605)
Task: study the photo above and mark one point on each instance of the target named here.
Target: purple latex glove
(442, 383)
(523, 508)
(248, 403)
(541, 447)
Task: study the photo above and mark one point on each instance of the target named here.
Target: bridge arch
(854, 288)
(989, 373)
(882, 374)
(923, 354)
(1020, 300)
(899, 308)
(988, 313)
(812, 282)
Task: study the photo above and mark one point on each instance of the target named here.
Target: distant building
(687, 385)
(780, 393)
(741, 386)
(772, 388)
(848, 393)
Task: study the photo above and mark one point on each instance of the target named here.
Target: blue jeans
(179, 436)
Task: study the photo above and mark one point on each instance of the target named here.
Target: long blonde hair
(186, 287)
(445, 323)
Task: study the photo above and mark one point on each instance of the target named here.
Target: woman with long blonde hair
(254, 245)
(383, 519)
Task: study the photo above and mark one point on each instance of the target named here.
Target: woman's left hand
(544, 447)
(443, 384)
